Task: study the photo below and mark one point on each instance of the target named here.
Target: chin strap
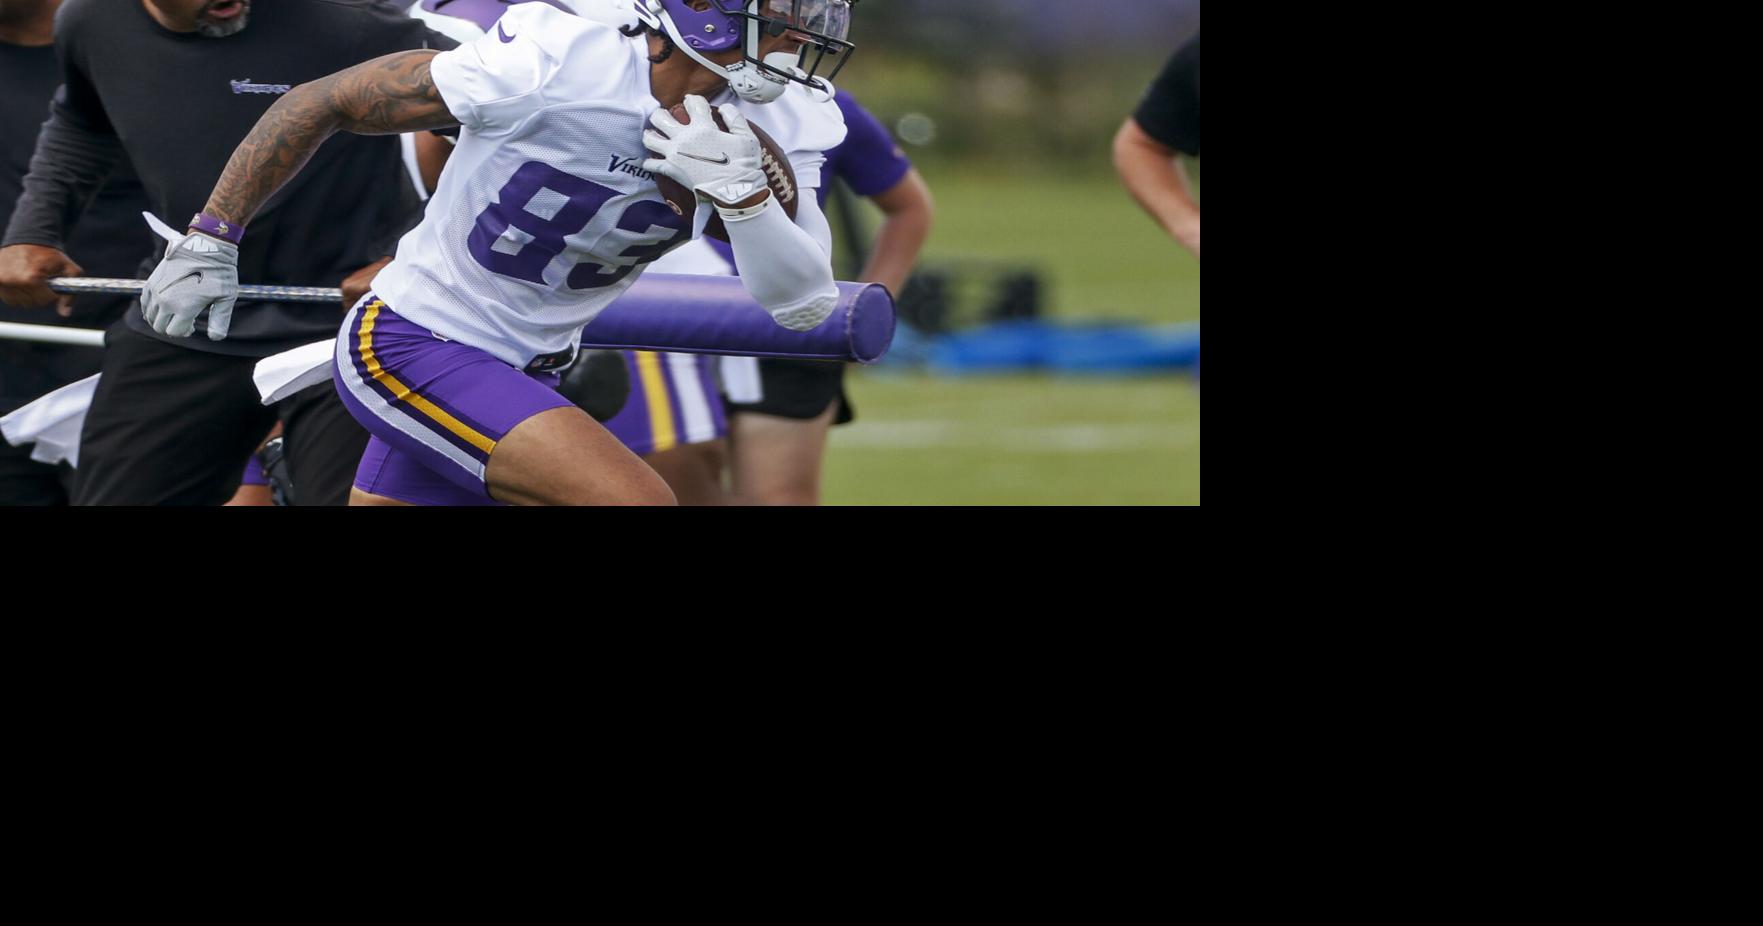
(753, 84)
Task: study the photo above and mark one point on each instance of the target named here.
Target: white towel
(53, 422)
(281, 375)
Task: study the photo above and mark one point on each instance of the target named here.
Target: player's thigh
(780, 411)
(777, 461)
(564, 457)
(323, 443)
(168, 425)
(693, 472)
(360, 499)
(389, 476)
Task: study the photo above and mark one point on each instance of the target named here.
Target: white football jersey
(544, 214)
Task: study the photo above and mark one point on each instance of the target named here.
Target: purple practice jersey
(868, 160)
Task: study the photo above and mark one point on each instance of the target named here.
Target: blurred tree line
(1011, 84)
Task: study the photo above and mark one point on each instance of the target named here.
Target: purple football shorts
(254, 473)
(674, 401)
(435, 408)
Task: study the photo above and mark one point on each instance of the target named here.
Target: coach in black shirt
(111, 242)
(176, 85)
(1167, 121)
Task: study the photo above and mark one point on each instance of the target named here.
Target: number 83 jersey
(544, 214)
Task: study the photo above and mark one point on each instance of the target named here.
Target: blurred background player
(781, 410)
(1145, 149)
(673, 415)
(174, 85)
(111, 243)
(769, 426)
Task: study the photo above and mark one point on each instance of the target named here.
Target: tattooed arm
(385, 96)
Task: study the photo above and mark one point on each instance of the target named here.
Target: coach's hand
(356, 284)
(198, 273)
(25, 272)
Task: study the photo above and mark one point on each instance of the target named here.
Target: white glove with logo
(198, 273)
(722, 167)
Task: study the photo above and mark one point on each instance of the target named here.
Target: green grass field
(1036, 440)
(1103, 257)
(1017, 441)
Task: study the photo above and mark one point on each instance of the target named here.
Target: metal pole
(49, 334)
(88, 286)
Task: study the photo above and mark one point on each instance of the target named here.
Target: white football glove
(722, 167)
(198, 272)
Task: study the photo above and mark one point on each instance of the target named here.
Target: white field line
(1074, 438)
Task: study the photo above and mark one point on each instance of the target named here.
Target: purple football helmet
(744, 24)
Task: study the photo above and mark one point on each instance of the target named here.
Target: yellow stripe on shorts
(661, 425)
(406, 394)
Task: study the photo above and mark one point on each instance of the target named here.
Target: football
(771, 158)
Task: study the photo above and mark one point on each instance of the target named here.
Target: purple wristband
(209, 225)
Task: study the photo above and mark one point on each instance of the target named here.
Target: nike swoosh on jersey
(706, 160)
(502, 34)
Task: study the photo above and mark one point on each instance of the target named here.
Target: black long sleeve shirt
(111, 241)
(178, 104)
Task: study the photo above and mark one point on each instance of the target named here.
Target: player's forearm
(896, 250)
(907, 214)
(385, 96)
(1155, 179)
(786, 269)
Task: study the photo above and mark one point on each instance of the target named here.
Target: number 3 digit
(643, 218)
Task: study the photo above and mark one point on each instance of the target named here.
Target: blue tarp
(1042, 346)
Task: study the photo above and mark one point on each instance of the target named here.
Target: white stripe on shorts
(384, 411)
(694, 406)
(740, 380)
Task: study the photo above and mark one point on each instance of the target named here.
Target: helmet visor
(821, 18)
(820, 25)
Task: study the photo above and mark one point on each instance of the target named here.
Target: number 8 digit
(547, 221)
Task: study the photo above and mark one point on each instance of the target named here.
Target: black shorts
(174, 426)
(799, 389)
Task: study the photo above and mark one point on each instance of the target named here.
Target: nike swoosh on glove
(720, 166)
(198, 273)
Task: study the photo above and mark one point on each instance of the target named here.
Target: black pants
(174, 426)
(24, 481)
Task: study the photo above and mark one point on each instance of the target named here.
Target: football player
(546, 213)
